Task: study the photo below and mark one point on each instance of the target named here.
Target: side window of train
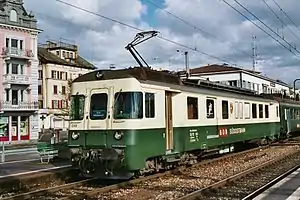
(241, 110)
(266, 111)
(277, 111)
(260, 111)
(192, 107)
(254, 111)
(210, 108)
(236, 109)
(149, 105)
(247, 110)
(225, 114)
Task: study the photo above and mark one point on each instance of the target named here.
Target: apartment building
(19, 72)
(238, 77)
(60, 63)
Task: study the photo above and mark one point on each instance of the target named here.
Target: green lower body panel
(139, 145)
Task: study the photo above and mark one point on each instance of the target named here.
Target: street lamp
(295, 87)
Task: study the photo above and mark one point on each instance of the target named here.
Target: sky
(210, 30)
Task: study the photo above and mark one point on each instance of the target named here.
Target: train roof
(147, 74)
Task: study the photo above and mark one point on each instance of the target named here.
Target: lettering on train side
(237, 130)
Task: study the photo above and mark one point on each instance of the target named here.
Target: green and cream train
(134, 121)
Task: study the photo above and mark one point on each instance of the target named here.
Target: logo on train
(223, 132)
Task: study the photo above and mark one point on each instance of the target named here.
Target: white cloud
(103, 41)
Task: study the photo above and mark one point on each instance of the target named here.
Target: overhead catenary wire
(286, 14)
(138, 29)
(276, 40)
(194, 26)
(269, 7)
(241, 5)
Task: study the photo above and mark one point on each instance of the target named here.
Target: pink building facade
(19, 73)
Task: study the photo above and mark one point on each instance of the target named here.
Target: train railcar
(137, 120)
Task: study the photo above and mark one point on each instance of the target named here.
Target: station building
(19, 73)
(237, 77)
(60, 63)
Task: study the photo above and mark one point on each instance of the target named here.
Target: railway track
(91, 188)
(250, 183)
(178, 183)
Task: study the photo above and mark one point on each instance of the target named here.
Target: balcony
(19, 106)
(16, 53)
(18, 79)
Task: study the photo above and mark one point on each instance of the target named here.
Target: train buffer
(47, 152)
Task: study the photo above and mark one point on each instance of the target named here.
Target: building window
(40, 74)
(71, 55)
(14, 68)
(260, 111)
(192, 105)
(149, 105)
(266, 111)
(54, 89)
(64, 54)
(41, 104)
(14, 95)
(210, 110)
(14, 43)
(57, 53)
(13, 16)
(7, 42)
(7, 68)
(22, 69)
(225, 114)
(63, 90)
(54, 104)
(254, 111)
(53, 74)
(22, 95)
(21, 44)
(39, 89)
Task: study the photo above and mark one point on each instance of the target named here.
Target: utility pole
(187, 64)
(254, 54)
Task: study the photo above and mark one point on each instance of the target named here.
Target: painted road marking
(277, 185)
(30, 172)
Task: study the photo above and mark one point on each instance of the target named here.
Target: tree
(65, 111)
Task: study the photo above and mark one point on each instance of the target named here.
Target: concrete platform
(286, 189)
(11, 169)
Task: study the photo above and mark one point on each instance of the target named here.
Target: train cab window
(260, 111)
(98, 106)
(149, 105)
(192, 105)
(128, 105)
(254, 111)
(225, 114)
(77, 107)
(266, 111)
(210, 108)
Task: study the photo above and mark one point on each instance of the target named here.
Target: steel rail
(240, 175)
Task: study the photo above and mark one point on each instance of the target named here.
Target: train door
(212, 115)
(288, 120)
(169, 122)
(99, 109)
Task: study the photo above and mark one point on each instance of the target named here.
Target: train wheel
(87, 167)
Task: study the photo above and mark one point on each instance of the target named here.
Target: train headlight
(75, 135)
(118, 135)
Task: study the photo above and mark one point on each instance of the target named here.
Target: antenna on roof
(139, 38)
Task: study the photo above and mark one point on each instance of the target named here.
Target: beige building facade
(60, 63)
